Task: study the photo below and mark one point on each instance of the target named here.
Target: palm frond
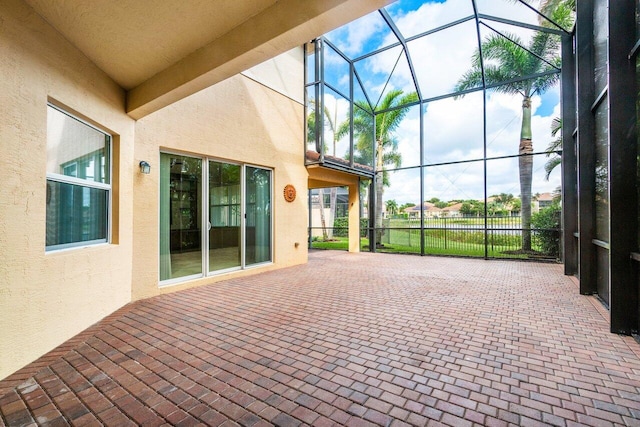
(556, 125)
(506, 50)
(393, 158)
(554, 146)
(551, 165)
(471, 79)
(544, 83)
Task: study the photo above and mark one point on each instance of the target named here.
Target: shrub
(546, 229)
(341, 227)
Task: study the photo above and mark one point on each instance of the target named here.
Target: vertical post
(569, 248)
(445, 233)
(493, 231)
(318, 94)
(320, 103)
(585, 147)
(623, 205)
(373, 205)
(310, 209)
(351, 113)
(354, 217)
(372, 218)
(422, 174)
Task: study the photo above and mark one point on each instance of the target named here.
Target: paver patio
(347, 339)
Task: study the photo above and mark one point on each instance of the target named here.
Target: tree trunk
(379, 191)
(333, 198)
(525, 163)
(323, 223)
(379, 222)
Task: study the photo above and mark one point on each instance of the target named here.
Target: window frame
(84, 183)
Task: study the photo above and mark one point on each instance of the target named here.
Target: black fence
(493, 237)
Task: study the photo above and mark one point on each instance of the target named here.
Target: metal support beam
(372, 214)
(569, 159)
(623, 208)
(585, 147)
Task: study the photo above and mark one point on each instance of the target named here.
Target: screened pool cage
(448, 111)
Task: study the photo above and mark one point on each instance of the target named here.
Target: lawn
(433, 246)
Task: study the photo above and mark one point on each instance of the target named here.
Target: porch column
(354, 217)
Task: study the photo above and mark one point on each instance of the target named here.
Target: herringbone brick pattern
(348, 339)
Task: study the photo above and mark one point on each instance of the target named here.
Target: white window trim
(56, 177)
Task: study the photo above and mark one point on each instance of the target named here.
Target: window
(78, 182)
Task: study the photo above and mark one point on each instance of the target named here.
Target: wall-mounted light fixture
(145, 167)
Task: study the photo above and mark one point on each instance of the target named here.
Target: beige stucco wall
(254, 120)
(284, 74)
(46, 298)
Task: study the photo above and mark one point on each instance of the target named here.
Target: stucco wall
(239, 120)
(46, 298)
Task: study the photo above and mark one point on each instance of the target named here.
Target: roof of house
(428, 207)
(545, 197)
(453, 208)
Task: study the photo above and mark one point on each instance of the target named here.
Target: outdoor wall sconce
(145, 167)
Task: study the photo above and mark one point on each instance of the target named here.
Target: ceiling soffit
(165, 50)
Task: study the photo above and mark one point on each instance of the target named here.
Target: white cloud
(453, 127)
(338, 109)
(351, 38)
(440, 59)
(453, 133)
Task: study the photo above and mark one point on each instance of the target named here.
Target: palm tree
(392, 207)
(553, 147)
(547, 7)
(506, 60)
(312, 135)
(386, 145)
(504, 198)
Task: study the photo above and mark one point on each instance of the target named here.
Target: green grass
(339, 243)
(469, 249)
(497, 221)
(457, 244)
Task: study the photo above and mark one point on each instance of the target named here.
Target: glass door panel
(180, 216)
(258, 216)
(224, 216)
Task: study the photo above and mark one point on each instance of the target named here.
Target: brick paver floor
(347, 339)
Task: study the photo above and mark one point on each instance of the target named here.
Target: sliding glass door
(258, 215)
(225, 223)
(215, 224)
(180, 216)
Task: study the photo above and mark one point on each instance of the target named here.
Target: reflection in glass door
(214, 217)
(180, 216)
(224, 216)
(258, 215)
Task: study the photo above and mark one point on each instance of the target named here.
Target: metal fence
(491, 237)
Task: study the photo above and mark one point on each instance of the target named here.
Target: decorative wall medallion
(289, 193)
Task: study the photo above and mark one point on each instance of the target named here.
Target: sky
(453, 128)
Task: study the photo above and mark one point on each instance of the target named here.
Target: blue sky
(453, 127)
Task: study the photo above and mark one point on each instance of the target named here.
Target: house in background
(430, 211)
(452, 211)
(542, 201)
